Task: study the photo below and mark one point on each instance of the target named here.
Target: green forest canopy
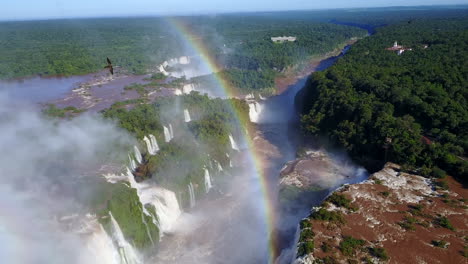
(417, 100)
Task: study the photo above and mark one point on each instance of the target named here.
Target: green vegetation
(305, 223)
(305, 248)
(408, 223)
(385, 193)
(379, 253)
(340, 201)
(349, 245)
(444, 222)
(442, 184)
(414, 105)
(439, 243)
(438, 173)
(80, 46)
(175, 166)
(69, 111)
(331, 216)
(122, 201)
(326, 247)
(328, 260)
(306, 239)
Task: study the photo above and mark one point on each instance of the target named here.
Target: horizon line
(210, 13)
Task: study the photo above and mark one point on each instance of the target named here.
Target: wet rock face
(314, 172)
(393, 217)
(316, 169)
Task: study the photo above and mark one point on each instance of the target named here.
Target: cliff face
(393, 217)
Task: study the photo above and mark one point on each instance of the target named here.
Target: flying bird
(109, 66)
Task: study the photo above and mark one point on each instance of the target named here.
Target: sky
(43, 9)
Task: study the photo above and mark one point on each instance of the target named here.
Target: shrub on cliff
(379, 253)
(349, 245)
(324, 215)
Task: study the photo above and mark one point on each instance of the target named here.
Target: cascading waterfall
(165, 204)
(133, 165)
(192, 195)
(261, 97)
(148, 145)
(167, 134)
(208, 185)
(164, 201)
(100, 245)
(138, 156)
(171, 131)
(147, 227)
(254, 111)
(178, 92)
(151, 144)
(154, 143)
(186, 116)
(127, 253)
(233, 143)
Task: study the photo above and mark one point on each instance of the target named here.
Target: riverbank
(293, 74)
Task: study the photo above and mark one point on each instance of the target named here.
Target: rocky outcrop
(314, 171)
(393, 217)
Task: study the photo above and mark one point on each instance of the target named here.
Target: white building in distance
(283, 39)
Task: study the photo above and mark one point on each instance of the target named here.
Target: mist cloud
(47, 168)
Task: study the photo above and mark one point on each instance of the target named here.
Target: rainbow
(196, 43)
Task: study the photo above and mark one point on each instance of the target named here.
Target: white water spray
(187, 116)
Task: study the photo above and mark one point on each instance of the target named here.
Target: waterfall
(249, 96)
(127, 253)
(101, 247)
(167, 134)
(208, 185)
(220, 169)
(138, 156)
(154, 143)
(147, 227)
(233, 143)
(254, 111)
(172, 131)
(186, 116)
(148, 145)
(192, 195)
(261, 97)
(188, 88)
(178, 92)
(133, 165)
(164, 201)
(163, 71)
(151, 144)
